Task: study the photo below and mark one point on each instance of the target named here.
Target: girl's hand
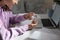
(32, 25)
(29, 15)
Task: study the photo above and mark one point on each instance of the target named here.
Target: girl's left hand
(29, 15)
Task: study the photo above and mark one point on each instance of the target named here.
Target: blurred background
(48, 17)
(38, 6)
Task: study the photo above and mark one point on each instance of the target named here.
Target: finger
(32, 13)
(34, 24)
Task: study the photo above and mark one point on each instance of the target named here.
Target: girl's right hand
(32, 25)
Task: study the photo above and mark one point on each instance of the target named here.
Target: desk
(37, 35)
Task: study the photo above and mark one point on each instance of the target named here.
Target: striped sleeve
(18, 30)
(14, 32)
(7, 34)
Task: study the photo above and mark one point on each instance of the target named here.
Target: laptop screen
(56, 14)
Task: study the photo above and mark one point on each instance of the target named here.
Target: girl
(6, 17)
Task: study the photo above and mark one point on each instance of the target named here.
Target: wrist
(24, 16)
(30, 27)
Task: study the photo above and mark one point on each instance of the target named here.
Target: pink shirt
(8, 33)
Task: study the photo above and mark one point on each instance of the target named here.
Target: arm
(7, 34)
(16, 19)
(17, 31)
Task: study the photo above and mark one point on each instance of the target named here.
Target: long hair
(0, 34)
(0, 0)
(5, 8)
(1, 37)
